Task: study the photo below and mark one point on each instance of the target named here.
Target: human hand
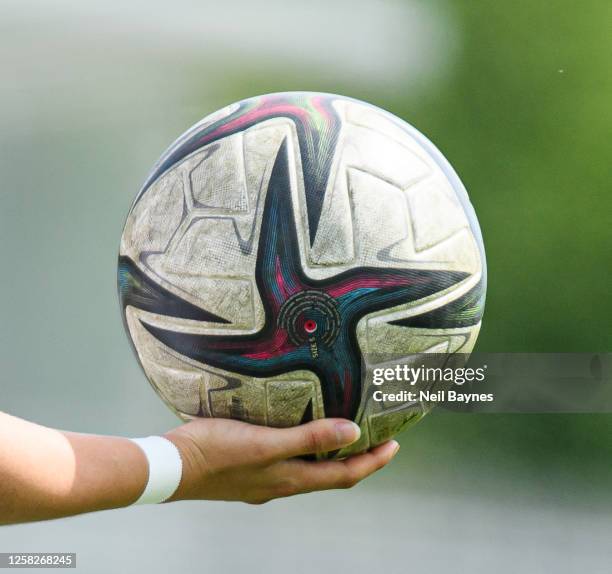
(231, 460)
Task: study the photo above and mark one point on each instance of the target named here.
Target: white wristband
(165, 469)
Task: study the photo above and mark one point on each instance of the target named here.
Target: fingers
(318, 436)
(222, 443)
(303, 476)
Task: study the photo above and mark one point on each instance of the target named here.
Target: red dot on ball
(310, 326)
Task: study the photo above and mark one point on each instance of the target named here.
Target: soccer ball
(282, 248)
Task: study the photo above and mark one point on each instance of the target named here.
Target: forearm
(46, 473)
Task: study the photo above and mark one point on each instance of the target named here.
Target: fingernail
(347, 432)
(395, 448)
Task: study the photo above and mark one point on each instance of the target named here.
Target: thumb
(322, 435)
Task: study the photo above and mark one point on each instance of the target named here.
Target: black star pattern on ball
(310, 324)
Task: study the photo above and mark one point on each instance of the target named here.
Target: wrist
(165, 469)
(181, 493)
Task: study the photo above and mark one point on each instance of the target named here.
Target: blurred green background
(518, 97)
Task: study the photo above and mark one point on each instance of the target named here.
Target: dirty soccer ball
(284, 241)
